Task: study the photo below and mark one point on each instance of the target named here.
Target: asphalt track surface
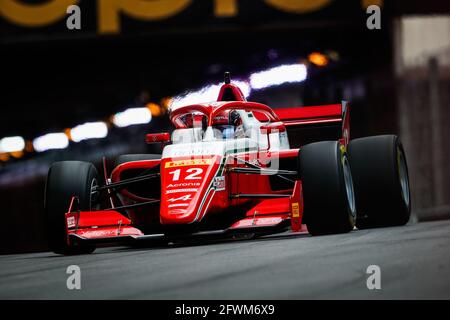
(414, 262)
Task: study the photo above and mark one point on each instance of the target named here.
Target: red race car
(229, 168)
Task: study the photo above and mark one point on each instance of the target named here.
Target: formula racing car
(230, 168)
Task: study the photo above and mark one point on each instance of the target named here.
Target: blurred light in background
(206, 94)
(12, 144)
(4, 157)
(244, 86)
(89, 130)
(17, 154)
(50, 141)
(29, 146)
(166, 103)
(132, 116)
(278, 75)
(318, 59)
(155, 109)
(333, 55)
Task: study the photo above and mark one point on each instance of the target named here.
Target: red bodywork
(208, 194)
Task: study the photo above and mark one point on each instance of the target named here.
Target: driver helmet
(227, 122)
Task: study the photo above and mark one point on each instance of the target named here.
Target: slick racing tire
(380, 175)
(135, 157)
(329, 202)
(67, 179)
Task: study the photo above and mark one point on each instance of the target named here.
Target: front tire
(67, 179)
(380, 175)
(329, 202)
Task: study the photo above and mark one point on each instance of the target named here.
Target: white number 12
(196, 172)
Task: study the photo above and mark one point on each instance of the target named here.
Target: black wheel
(380, 175)
(328, 195)
(67, 179)
(135, 157)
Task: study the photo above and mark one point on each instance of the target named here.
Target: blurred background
(94, 91)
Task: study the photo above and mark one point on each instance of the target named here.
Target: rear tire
(380, 175)
(329, 202)
(67, 179)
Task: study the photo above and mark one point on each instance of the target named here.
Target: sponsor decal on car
(184, 184)
(178, 205)
(219, 183)
(182, 198)
(191, 162)
(71, 222)
(295, 210)
(100, 233)
(182, 190)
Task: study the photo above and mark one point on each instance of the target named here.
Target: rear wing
(311, 124)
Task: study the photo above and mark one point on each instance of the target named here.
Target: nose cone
(187, 186)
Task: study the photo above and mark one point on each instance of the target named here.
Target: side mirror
(268, 129)
(162, 137)
(272, 127)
